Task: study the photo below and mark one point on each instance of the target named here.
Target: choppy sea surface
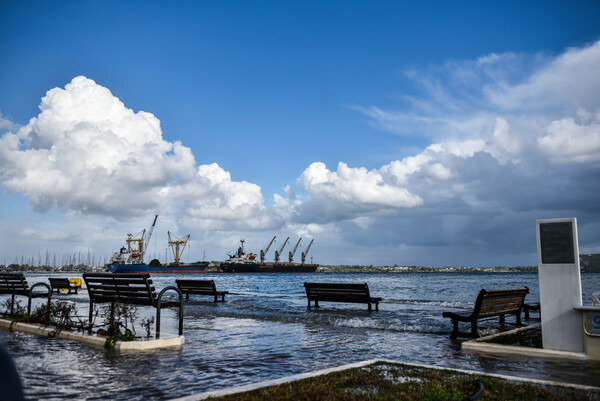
(265, 331)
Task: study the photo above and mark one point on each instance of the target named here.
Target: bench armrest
(41, 284)
(39, 295)
(459, 317)
(172, 287)
(158, 305)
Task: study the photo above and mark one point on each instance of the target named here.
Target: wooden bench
(200, 287)
(490, 303)
(16, 284)
(62, 284)
(340, 292)
(131, 289)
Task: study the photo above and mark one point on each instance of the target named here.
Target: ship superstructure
(245, 262)
(130, 259)
(136, 247)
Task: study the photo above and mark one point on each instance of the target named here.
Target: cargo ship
(246, 262)
(130, 259)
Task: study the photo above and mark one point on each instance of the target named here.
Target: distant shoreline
(589, 263)
(423, 269)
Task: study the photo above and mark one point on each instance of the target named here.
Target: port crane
(306, 251)
(264, 253)
(177, 246)
(141, 244)
(150, 231)
(278, 253)
(294, 251)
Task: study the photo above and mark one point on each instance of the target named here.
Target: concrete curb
(93, 340)
(483, 345)
(301, 376)
(269, 383)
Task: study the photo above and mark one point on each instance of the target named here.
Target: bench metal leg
(316, 300)
(474, 332)
(180, 316)
(90, 316)
(455, 332)
(157, 335)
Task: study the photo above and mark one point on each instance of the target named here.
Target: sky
(429, 133)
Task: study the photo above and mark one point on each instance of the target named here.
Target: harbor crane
(264, 253)
(141, 244)
(294, 251)
(150, 231)
(306, 251)
(278, 253)
(177, 246)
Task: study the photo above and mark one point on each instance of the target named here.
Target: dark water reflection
(264, 331)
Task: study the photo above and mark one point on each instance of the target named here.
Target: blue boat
(199, 267)
(130, 259)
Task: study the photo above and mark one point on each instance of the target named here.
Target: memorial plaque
(556, 241)
(559, 278)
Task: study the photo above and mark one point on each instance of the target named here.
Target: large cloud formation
(87, 153)
(515, 138)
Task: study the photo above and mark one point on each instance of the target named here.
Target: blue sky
(457, 124)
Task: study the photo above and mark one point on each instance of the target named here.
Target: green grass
(385, 381)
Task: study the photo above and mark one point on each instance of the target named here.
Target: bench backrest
(120, 287)
(338, 292)
(13, 283)
(56, 282)
(196, 285)
(500, 301)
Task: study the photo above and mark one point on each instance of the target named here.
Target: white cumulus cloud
(87, 153)
(567, 141)
(355, 186)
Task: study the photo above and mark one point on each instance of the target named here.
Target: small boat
(130, 259)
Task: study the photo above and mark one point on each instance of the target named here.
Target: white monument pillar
(560, 284)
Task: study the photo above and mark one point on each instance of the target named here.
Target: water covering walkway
(265, 331)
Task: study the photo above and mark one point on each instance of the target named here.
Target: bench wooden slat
(15, 290)
(490, 303)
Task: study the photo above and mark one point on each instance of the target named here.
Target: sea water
(264, 331)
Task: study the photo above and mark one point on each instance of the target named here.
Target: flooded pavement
(265, 331)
